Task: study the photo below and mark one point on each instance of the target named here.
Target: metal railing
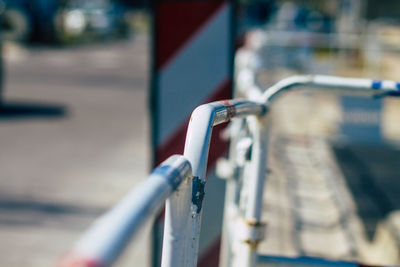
(104, 241)
(180, 181)
(243, 204)
(181, 235)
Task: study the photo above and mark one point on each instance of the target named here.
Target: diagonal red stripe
(175, 23)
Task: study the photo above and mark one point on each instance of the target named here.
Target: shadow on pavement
(22, 213)
(27, 110)
(50, 208)
(372, 174)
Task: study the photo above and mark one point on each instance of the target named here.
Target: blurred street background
(75, 131)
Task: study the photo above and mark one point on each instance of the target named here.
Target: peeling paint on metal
(198, 193)
(251, 243)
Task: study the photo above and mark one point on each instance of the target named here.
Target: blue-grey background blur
(74, 118)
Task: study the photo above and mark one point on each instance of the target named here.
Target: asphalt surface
(371, 173)
(74, 138)
(326, 197)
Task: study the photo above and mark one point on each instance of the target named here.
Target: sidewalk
(310, 205)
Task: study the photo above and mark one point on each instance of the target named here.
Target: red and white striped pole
(192, 64)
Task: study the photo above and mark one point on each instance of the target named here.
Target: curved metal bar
(367, 86)
(108, 236)
(203, 119)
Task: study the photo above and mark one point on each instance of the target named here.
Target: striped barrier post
(192, 64)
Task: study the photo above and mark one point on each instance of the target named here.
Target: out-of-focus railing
(181, 180)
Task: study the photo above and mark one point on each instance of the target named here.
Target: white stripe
(340, 82)
(201, 66)
(389, 84)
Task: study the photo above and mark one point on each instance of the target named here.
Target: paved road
(74, 139)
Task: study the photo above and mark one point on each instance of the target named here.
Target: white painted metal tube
(233, 185)
(367, 86)
(200, 127)
(107, 237)
(284, 85)
(197, 144)
(177, 213)
(248, 230)
(258, 170)
(196, 150)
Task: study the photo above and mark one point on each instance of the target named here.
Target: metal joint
(250, 232)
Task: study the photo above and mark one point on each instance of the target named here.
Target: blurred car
(62, 20)
(91, 19)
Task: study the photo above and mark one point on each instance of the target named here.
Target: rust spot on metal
(254, 223)
(252, 244)
(230, 109)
